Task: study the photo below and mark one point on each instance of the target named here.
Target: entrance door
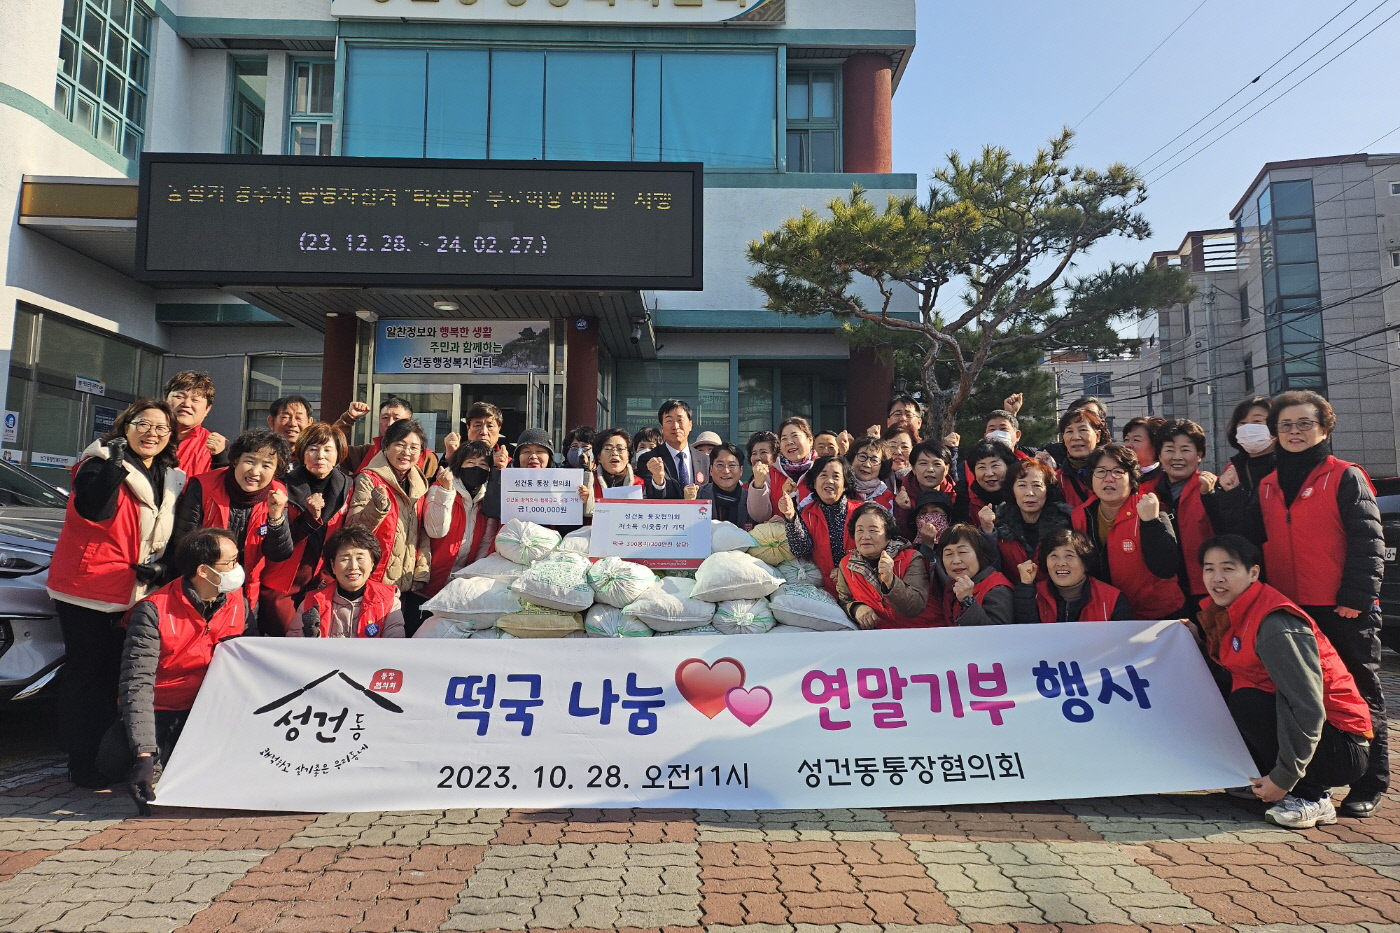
(433, 405)
(511, 398)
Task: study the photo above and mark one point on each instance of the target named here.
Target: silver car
(31, 643)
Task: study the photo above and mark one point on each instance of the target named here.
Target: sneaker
(1296, 813)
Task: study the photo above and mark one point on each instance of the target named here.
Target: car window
(19, 488)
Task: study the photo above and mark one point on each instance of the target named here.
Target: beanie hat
(537, 437)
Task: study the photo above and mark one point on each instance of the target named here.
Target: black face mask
(473, 477)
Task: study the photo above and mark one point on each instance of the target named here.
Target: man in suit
(676, 463)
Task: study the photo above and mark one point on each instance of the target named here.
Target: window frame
(127, 117)
(805, 127)
(324, 121)
(236, 132)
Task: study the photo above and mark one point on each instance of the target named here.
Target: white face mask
(1253, 438)
(1002, 436)
(230, 580)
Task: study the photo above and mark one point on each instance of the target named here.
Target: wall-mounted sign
(462, 347)
(11, 433)
(654, 13)
(283, 220)
(90, 386)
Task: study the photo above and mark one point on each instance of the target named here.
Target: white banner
(663, 533)
(838, 719)
(545, 497)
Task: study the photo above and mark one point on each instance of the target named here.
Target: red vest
(387, 528)
(375, 604)
(1149, 596)
(601, 492)
(187, 642)
(864, 591)
(1075, 493)
(193, 453)
(288, 576)
(217, 508)
(1306, 546)
(777, 479)
(92, 560)
(952, 609)
(1340, 699)
(815, 519)
(445, 550)
(1193, 527)
(1102, 598)
(911, 485)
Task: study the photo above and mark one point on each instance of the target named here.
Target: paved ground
(75, 860)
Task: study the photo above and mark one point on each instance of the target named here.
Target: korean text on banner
(832, 719)
(545, 497)
(663, 533)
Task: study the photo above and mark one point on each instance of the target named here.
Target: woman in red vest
(1033, 510)
(1134, 540)
(248, 500)
(1060, 588)
(170, 640)
(117, 527)
(1324, 549)
(975, 592)
(1183, 488)
(318, 494)
(190, 396)
(868, 460)
(819, 527)
(612, 453)
(461, 534)
(354, 604)
(1292, 698)
(1236, 497)
(389, 499)
(1082, 431)
(883, 582)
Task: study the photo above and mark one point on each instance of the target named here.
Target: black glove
(141, 784)
(115, 447)
(311, 623)
(147, 573)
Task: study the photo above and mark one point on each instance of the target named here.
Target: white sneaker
(1296, 813)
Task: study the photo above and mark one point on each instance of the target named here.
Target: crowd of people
(176, 538)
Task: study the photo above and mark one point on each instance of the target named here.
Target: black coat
(699, 462)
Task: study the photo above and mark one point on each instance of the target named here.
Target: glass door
(435, 407)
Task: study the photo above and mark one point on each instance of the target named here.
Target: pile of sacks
(539, 585)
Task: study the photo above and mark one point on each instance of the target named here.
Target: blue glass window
(459, 82)
(385, 97)
(588, 106)
(719, 108)
(517, 105)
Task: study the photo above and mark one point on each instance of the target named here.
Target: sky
(1012, 73)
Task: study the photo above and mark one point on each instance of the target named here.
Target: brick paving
(75, 860)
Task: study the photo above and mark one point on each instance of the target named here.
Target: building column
(581, 373)
(867, 102)
(869, 385)
(339, 350)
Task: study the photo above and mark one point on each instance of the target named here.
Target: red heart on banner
(704, 685)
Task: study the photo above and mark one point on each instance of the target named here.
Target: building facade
(1298, 294)
(787, 105)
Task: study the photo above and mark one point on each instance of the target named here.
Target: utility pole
(1211, 370)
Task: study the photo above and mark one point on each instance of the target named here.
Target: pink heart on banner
(704, 685)
(748, 704)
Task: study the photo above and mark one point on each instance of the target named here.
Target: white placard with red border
(913, 717)
(660, 533)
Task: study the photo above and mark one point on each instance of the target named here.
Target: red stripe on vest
(1238, 654)
(187, 642)
(1149, 596)
(375, 605)
(217, 508)
(953, 610)
(193, 453)
(864, 591)
(1102, 598)
(815, 519)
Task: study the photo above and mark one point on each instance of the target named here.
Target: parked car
(31, 642)
(1388, 498)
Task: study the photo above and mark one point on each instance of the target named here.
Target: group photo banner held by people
(886, 718)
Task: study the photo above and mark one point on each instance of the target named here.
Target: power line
(1139, 65)
(1293, 87)
(1256, 80)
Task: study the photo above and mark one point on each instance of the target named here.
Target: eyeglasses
(868, 458)
(150, 427)
(1116, 473)
(615, 449)
(1302, 427)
